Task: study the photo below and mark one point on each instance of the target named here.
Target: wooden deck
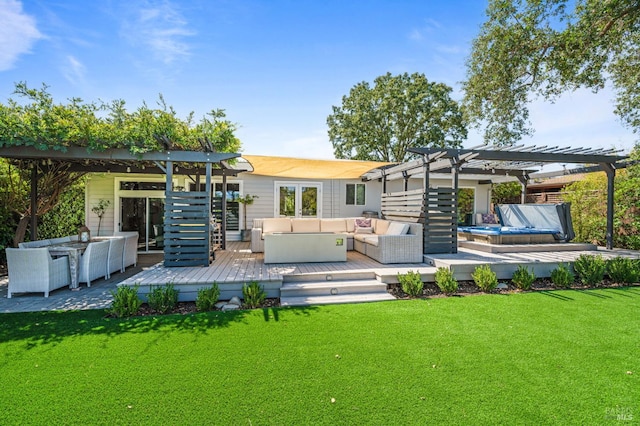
(237, 265)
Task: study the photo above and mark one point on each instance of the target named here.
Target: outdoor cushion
(369, 239)
(351, 224)
(305, 225)
(397, 228)
(363, 230)
(380, 226)
(333, 225)
(277, 224)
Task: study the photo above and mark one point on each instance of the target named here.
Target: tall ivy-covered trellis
(187, 214)
(437, 207)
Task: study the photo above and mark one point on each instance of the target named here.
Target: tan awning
(285, 167)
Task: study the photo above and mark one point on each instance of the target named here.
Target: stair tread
(335, 299)
(341, 283)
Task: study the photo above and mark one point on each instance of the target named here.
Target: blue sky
(275, 66)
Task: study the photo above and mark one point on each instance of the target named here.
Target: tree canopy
(40, 122)
(397, 113)
(542, 48)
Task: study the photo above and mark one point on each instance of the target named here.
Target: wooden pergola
(187, 214)
(438, 209)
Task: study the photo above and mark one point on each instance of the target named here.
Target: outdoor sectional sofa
(384, 241)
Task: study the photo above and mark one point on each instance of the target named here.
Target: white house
(284, 187)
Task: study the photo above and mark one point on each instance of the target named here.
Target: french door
(145, 215)
(295, 199)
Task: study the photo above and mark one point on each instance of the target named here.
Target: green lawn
(561, 357)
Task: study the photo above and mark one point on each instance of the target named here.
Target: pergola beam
(116, 154)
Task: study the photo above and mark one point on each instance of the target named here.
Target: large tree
(36, 120)
(542, 48)
(397, 113)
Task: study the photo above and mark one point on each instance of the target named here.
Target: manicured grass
(561, 357)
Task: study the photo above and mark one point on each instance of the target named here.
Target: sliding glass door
(145, 215)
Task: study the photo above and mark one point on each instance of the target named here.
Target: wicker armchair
(33, 270)
(115, 263)
(130, 247)
(94, 262)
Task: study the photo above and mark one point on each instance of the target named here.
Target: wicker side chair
(130, 247)
(34, 270)
(93, 262)
(115, 263)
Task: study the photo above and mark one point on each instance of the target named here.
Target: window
(142, 186)
(355, 194)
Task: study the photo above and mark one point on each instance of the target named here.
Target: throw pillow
(397, 228)
(489, 218)
(363, 223)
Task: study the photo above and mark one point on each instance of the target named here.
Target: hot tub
(508, 235)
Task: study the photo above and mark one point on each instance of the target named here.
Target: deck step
(328, 288)
(306, 292)
(329, 276)
(336, 299)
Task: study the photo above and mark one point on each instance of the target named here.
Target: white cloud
(18, 33)
(73, 70)
(159, 26)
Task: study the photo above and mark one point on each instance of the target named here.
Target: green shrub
(207, 298)
(523, 277)
(485, 278)
(163, 299)
(446, 281)
(253, 295)
(622, 270)
(125, 302)
(590, 269)
(411, 283)
(562, 276)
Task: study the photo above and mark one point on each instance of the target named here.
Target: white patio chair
(94, 262)
(34, 270)
(116, 254)
(130, 247)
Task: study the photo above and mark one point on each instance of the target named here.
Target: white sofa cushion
(363, 230)
(276, 224)
(351, 224)
(397, 228)
(333, 225)
(367, 238)
(305, 225)
(380, 226)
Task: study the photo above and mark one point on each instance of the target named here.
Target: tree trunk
(21, 230)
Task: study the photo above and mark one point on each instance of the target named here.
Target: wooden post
(611, 174)
(207, 189)
(523, 184)
(34, 202)
(223, 243)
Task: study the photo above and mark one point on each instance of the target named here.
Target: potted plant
(245, 200)
(100, 210)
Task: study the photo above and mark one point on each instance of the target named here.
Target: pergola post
(523, 184)
(207, 189)
(611, 174)
(34, 202)
(224, 211)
